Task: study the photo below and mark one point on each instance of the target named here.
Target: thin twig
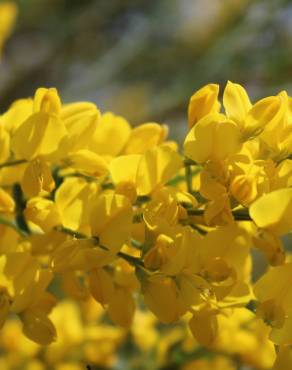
(13, 163)
(239, 215)
(135, 261)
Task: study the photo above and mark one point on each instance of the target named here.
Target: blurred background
(143, 59)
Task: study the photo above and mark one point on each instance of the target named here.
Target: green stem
(189, 162)
(176, 180)
(239, 215)
(20, 207)
(73, 233)
(189, 178)
(136, 244)
(141, 199)
(251, 306)
(135, 261)
(12, 163)
(138, 218)
(198, 228)
(190, 172)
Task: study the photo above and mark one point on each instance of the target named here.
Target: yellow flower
(43, 213)
(242, 334)
(73, 286)
(272, 313)
(144, 137)
(272, 116)
(204, 326)
(123, 171)
(160, 254)
(81, 120)
(113, 216)
(37, 177)
(273, 211)
(111, 220)
(88, 162)
(155, 168)
(284, 359)
(161, 214)
(275, 285)
(271, 245)
(216, 363)
(74, 200)
(244, 189)
(124, 168)
(192, 289)
(121, 307)
(5, 303)
(161, 297)
(110, 136)
(79, 254)
(214, 137)
(101, 285)
(7, 203)
(17, 113)
(236, 104)
(203, 102)
(38, 327)
(43, 129)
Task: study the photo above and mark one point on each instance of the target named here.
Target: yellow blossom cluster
(86, 337)
(93, 208)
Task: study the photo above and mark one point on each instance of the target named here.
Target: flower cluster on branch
(115, 213)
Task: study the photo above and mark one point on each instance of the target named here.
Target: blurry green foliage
(142, 58)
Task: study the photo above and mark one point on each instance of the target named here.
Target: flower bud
(47, 101)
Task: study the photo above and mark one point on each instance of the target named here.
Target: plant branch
(239, 215)
(135, 261)
(12, 163)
